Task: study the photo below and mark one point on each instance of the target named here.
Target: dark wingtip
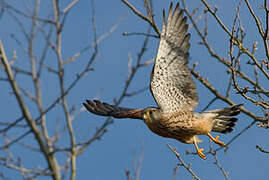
(89, 102)
(237, 106)
(95, 107)
(233, 119)
(95, 101)
(89, 105)
(228, 130)
(163, 16)
(236, 109)
(171, 6)
(85, 105)
(231, 124)
(177, 6)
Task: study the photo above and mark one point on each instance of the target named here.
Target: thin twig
(261, 149)
(148, 19)
(214, 154)
(182, 163)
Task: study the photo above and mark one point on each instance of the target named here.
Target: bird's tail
(225, 120)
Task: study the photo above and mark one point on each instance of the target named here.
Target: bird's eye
(150, 113)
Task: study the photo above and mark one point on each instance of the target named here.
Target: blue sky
(126, 140)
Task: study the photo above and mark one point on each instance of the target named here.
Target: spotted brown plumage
(175, 93)
(171, 82)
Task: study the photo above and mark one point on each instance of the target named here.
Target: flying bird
(175, 93)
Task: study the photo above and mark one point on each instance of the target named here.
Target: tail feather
(225, 120)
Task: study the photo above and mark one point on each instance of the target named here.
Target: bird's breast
(174, 126)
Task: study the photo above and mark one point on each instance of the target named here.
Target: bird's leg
(199, 151)
(215, 140)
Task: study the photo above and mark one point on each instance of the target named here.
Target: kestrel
(175, 93)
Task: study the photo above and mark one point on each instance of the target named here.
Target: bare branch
(148, 19)
(182, 163)
(214, 154)
(52, 163)
(261, 149)
(264, 34)
(70, 6)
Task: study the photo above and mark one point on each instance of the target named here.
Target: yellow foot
(199, 151)
(215, 140)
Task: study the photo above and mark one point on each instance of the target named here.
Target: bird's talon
(216, 140)
(200, 153)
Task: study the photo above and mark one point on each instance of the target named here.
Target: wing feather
(171, 83)
(104, 109)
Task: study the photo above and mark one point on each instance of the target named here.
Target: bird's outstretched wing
(171, 83)
(104, 109)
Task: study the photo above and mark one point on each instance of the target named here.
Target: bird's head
(151, 114)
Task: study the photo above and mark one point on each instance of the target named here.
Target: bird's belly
(176, 132)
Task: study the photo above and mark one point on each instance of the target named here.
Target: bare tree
(41, 41)
(46, 34)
